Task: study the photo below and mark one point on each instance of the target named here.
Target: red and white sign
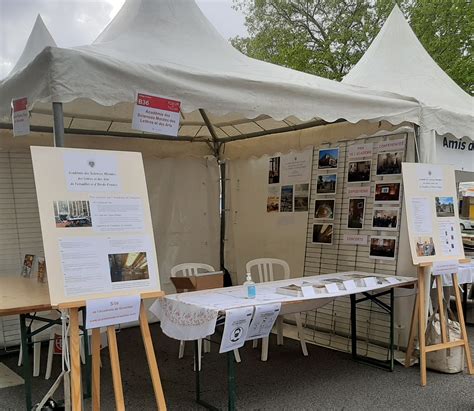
(360, 151)
(155, 114)
(391, 145)
(363, 191)
(58, 344)
(20, 117)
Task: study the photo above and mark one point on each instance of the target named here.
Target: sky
(78, 22)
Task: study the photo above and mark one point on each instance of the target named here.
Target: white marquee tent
(396, 61)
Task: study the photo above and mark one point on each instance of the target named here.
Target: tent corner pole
(58, 124)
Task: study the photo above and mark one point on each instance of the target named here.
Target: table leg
(353, 326)
(231, 380)
(26, 362)
(392, 326)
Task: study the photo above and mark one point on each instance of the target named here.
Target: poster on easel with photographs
(432, 212)
(95, 222)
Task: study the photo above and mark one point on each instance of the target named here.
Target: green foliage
(327, 37)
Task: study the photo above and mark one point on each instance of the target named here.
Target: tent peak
(39, 38)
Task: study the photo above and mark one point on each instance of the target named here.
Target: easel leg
(150, 354)
(96, 369)
(422, 323)
(467, 348)
(411, 337)
(442, 316)
(74, 338)
(115, 365)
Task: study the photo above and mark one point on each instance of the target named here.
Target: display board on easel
(98, 242)
(95, 222)
(432, 213)
(435, 238)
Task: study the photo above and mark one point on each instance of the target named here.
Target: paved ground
(288, 381)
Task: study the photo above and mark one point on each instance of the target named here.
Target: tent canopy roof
(169, 48)
(397, 62)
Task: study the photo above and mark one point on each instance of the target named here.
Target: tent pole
(58, 124)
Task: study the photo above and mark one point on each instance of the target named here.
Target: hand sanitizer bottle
(250, 285)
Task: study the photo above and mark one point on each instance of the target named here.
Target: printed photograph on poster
(72, 214)
(385, 219)
(359, 171)
(326, 184)
(425, 246)
(322, 233)
(324, 209)
(450, 242)
(328, 158)
(382, 248)
(41, 274)
(27, 266)
(355, 214)
(274, 170)
(286, 199)
(128, 267)
(301, 197)
(387, 192)
(273, 199)
(444, 206)
(389, 163)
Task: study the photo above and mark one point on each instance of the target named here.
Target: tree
(327, 37)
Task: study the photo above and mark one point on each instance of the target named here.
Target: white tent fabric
(39, 38)
(397, 62)
(168, 47)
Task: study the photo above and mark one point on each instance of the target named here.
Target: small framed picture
(355, 214)
(382, 248)
(385, 219)
(328, 158)
(326, 184)
(389, 163)
(359, 171)
(387, 192)
(322, 233)
(324, 209)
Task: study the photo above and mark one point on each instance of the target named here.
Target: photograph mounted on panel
(286, 199)
(27, 266)
(301, 197)
(385, 219)
(389, 163)
(274, 170)
(355, 214)
(382, 248)
(128, 267)
(444, 206)
(273, 199)
(72, 214)
(387, 192)
(425, 246)
(322, 233)
(324, 209)
(328, 158)
(359, 171)
(326, 184)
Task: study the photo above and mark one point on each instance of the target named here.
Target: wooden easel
(419, 314)
(76, 392)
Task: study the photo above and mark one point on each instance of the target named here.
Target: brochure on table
(432, 213)
(95, 222)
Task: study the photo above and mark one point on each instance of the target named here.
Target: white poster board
(95, 222)
(432, 212)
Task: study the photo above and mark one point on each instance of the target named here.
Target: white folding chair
(187, 270)
(264, 268)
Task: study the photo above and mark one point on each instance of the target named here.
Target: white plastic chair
(187, 270)
(264, 268)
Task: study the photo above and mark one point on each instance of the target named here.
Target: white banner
(20, 117)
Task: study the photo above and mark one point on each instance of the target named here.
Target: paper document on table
(236, 327)
(263, 320)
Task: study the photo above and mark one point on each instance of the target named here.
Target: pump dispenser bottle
(250, 286)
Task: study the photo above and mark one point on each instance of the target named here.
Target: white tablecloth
(465, 275)
(192, 315)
